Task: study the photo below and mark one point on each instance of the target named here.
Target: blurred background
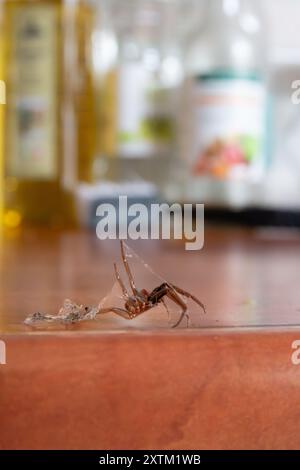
(186, 101)
(170, 100)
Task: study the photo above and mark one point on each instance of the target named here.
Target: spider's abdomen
(158, 293)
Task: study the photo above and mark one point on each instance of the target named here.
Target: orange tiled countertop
(229, 384)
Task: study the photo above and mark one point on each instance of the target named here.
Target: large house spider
(140, 301)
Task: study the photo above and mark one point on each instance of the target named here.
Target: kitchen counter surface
(230, 383)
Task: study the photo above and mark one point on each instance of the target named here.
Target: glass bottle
(40, 163)
(225, 95)
(85, 96)
(140, 91)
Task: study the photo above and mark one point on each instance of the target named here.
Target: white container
(224, 136)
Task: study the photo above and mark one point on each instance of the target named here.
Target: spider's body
(141, 301)
(135, 303)
(138, 304)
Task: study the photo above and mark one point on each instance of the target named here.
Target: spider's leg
(118, 277)
(172, 294)
(157, 295)
(189, 296)
(127, 268)
(166, 308)
(118, 311)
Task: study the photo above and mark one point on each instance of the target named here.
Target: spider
(141, 301)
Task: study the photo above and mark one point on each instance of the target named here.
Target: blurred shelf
(255, 217)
